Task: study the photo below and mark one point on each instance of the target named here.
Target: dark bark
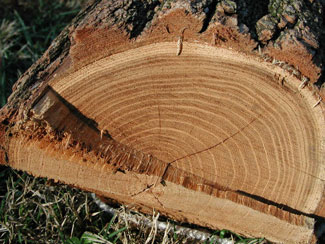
(286, 33)
(275, 26)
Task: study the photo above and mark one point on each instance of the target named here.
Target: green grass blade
(106, 230)
(73, 240)
(116, 232)
(20, 239)
(89, 238)
(24, 29)
(116, 238)
(72, 12)
(175, 236)
(3, 88)
(3, 201)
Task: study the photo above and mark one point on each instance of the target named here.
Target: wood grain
(180, 112)
(208, 112)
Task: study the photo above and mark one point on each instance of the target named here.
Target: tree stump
(206, 111)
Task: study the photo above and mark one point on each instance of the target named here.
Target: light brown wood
(205, 134)
(210, 112)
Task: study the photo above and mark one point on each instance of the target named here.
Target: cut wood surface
(168, 106)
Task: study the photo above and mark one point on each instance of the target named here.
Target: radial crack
(167, 166)
(215, 145)
(149, 188)
(144, 190)
(160, 203)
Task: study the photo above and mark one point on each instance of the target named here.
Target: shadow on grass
(27, 28)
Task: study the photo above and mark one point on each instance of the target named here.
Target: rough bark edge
(55, 122)
(56, 60)
(225, 19)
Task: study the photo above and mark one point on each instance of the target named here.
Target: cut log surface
(178, 111)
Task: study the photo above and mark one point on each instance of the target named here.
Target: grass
(26, 30)
(37, 210)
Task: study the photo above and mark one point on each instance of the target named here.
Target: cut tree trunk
(207, 111)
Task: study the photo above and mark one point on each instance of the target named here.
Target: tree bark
(208, 111)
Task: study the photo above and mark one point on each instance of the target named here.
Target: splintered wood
(227, 143)
(208, 136)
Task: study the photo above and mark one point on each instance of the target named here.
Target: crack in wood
(160, 203)
(128, 160)
(303, 171)
(148, 187)
(218, 144)
(164, 173)
(278, 205)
